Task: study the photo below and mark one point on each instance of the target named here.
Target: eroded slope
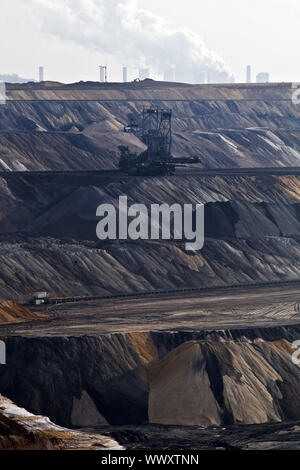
(81, 125)
(21, 430)
(184, 378)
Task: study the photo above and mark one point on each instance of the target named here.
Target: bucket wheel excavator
(154, 129)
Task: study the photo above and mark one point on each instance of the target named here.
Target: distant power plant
(41, 74)
(103, 73)
(170, 74)
(263, 77)
(248, 74)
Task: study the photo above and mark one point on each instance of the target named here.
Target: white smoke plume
(132, 34)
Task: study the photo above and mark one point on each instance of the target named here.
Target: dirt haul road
(219, 309)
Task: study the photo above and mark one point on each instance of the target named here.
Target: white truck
(38, 298)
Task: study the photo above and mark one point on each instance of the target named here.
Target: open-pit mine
(141, 344)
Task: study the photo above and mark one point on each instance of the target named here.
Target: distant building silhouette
(248, 74)
(125, 75)
(263, 77)
(41, 74)
(14, 78)
(103, 73)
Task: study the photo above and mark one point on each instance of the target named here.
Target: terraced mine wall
(67, 270)
(48, 224)
(55, 126)
(184, 378)
(48, 235)
(48, 243)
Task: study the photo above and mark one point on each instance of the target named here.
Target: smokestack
(41, 74)
(169, 47)
(124, 74)
(103, 73)
(248, 74)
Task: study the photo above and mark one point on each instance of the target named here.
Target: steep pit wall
(81, 127)
(209, 378)
(251, 235)
(68, 269)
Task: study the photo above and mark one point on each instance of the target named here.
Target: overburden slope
(49, 235)
(219, 363)
(54, 126)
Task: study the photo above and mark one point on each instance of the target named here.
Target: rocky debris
(21, 430)
(11, 312)
(269, 436)
(206, 383)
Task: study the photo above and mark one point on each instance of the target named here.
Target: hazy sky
(72, 37)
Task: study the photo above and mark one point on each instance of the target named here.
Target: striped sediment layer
(185, 378)
(11, 312)
(21, 430)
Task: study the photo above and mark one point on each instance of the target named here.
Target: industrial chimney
(103, 73)
(125, 74)
(248, 74)
(41, 74)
